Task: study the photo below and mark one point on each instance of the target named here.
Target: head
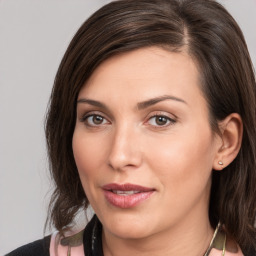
(205, 33)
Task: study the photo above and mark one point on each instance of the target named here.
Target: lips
(126, 195)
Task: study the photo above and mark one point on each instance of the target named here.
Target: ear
(231, 133)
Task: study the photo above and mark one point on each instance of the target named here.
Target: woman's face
(143, 145)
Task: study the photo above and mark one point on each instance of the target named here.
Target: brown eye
(97, 119)
(94, 120)
(161, 120)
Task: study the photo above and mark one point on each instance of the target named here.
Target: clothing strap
(69, 245)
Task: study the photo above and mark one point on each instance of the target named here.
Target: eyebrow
(93, 103)
(140, 105)
(153, 101)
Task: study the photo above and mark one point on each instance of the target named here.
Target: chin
(129, 232)
(128, 226)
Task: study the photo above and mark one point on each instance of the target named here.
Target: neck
(186, 238)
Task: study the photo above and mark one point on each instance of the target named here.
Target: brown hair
(211, 36)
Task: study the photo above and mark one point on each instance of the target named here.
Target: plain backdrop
(34, 35)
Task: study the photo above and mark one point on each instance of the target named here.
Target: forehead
(148, 71)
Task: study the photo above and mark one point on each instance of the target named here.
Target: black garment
(37, 248)
(91, 240)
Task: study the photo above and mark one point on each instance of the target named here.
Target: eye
(94, 120)
(161, 120)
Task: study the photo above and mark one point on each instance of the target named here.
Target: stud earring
(220, 163)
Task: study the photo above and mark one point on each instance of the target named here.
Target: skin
(174, 155)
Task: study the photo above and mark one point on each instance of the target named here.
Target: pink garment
(215, 252)
(56, 249)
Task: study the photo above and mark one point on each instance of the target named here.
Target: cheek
(88, 158)
(183, 168)
(88, 153)
(183, 159)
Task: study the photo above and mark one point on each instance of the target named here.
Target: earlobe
(231, 133)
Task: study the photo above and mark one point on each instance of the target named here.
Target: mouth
(126, 195)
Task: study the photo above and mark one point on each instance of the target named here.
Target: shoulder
(53, 245)
(62, 244)
(36, 248)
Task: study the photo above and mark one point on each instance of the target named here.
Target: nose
(125, 152)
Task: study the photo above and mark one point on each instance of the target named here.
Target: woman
(152, 122)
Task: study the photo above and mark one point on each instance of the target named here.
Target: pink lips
(126, 195)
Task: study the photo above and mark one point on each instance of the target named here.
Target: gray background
(33, 37)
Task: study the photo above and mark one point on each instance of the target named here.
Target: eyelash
(170, 121)
(85, 118)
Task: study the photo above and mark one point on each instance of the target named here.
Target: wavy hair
(209, 34)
